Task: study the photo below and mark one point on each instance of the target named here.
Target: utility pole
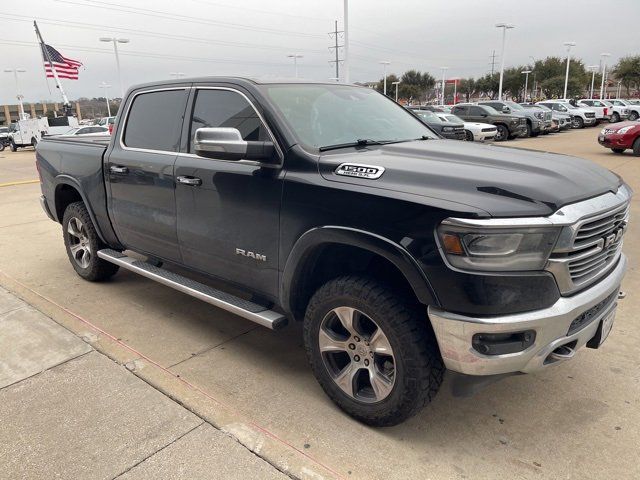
(336, 47)
(493, 62)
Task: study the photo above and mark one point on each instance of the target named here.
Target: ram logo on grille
(359, 170)
(614, 237)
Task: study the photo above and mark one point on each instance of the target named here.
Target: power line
(336, 49)
(145, 33)
(185, 18)
(256, 10)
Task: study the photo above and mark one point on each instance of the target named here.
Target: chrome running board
(226, 301)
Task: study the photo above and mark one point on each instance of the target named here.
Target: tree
(488, 85)
(467, 87)
(627, 71)
(390, 88)
(551, 71)
(415, 84)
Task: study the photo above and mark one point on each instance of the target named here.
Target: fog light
(503, 343)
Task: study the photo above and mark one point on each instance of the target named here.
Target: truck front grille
(591, 246)
(590, 115)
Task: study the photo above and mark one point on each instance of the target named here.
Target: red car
(621, 136)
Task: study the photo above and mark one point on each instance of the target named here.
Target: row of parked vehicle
(504, 120)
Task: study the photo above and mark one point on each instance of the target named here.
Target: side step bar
(243, 308)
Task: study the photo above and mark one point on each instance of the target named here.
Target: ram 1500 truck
(403, 254)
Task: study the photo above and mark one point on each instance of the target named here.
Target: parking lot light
(603, 57)
(566, 77)
(504, 27)
(593, 69)
(444, 70)
(15, 72)
(384, 64)
(396, 84)
(115, 42)
(526, 82)
(106, 86)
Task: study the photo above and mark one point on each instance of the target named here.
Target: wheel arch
(342, 248)
(67, 191)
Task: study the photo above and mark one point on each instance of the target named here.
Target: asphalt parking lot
(580, 419)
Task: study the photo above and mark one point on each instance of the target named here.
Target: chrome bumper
(454, 332)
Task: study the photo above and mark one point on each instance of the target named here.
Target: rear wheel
(636, 147)
(82, 243)
(34, 142)
(502, 134)
(617, 150)
(13, 146)
(372, 351)
(615, 117)
(633, 115)
(468, 136)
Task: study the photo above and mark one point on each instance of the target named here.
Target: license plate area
(604, 328)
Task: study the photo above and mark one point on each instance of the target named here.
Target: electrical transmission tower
(493, 62)
(336, 48)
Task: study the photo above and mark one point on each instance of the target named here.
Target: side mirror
(227, 144)
(506, 109)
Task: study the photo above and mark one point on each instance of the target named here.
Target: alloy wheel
(357, 354)
(79, 243)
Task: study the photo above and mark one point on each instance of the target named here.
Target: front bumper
(455, 332)
(615, 140)
(457, 135)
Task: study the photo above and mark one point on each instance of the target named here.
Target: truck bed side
(71, 170)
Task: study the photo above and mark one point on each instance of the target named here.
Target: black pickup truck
(404, 254)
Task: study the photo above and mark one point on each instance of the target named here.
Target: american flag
(64, 67)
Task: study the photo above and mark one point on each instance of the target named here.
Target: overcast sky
(252, 37)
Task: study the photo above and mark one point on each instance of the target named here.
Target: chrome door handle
(191, 181)
(120, 170)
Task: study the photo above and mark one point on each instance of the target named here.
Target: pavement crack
(160, 449)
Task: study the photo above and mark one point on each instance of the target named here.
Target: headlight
(447, 129)
(539, 114)
(496, 249)
(625, 129)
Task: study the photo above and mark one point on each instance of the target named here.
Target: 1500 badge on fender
(358, 170)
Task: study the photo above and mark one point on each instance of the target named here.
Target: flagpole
(67, 104)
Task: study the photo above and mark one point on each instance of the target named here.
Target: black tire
(34, 142)
(468, 136)
(578, 122)
(502, 134)
(529, 130)
(636, 147)
(86, 242)
(417, 365)
(13, 146)
(1, 146)
(617, 150)
(633, 116)
(615, 117)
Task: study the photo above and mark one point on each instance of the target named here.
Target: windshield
(71, 131)
(514, 106)
(569, 106)
(451, 118)
(4, 129)
(324, 115)
(427, 115)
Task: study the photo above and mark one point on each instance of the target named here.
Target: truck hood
(481, 180)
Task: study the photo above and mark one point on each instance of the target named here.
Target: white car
(474, 132)
(634, 110)
(88, 130)
(603, 111)
(581, 116)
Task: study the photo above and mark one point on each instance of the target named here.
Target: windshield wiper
(361, 142)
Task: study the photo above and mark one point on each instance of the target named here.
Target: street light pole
(604, 72)
(345, 62)
(115, 42)
(295, 57)
(396, 84)
(444, 69)
(504, 27)
(384, 64)
(106, 86)
(15, 72)
(566, 77)
(526, 82)
(594, 69)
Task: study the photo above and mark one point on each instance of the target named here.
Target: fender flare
(330, 234)
(72, 182)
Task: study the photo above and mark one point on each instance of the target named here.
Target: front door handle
(119, 170)
(191, 181)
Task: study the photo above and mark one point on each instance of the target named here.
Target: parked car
(89, 130)
(559, 121)
(603, 111)
(580, 116)
(4, 138)
(620, 137)
(508, 126)
(401, 253)
(452, 131)
(24, 133)
(619, 113)
(106, 121)
(634, 110)
(474, 131)
(538, 121)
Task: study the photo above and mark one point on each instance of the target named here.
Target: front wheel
(372, 351)
(633, 116)
(468, 136)
(615, 118)
(82, 243)
(578, 122)
(636, 147)
(502, 134)
(617, 150)
(34, 142)
(13, 147)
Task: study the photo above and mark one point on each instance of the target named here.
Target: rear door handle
(120, 170)
(191, 181)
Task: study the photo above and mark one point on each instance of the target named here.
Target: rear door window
(460, 110)
(155, 121)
